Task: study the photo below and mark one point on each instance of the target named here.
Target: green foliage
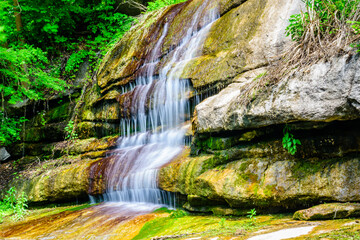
(79, 28)
(75, 60)
(355, 25)
(222, 222)
(10, 129)
(289, 142)
(42, 118)
(157, 4)
(296, 27)
(178, 213)
(323, 18)
(7, 22)
(61, 25)
(14, 204)
(70, 131)
(51, 30)
(23, 76)
(251, 214)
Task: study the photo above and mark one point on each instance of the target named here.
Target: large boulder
(329, 211)
(254, 170)
(327, 91)
(264, 182)
(68, 175)
(65, 183)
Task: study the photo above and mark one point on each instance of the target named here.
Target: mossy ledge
(251, 169)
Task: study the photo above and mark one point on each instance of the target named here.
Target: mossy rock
(48, 182)
(48, 133)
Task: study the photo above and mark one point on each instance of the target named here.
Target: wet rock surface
(108, 221)
(117, 221)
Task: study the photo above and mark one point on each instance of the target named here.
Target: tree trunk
(17, 13)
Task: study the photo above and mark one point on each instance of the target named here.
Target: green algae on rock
(63, 183)
(262, 174)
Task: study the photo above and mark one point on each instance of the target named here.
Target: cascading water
(155, 132)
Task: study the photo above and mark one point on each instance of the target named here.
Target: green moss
(72, 209)
(243, 166)
(58, 114)
(269, 191)
(163, 210)
(214, 143)
(303, 168)
(35, 134)
(199, 226)
(346, 233)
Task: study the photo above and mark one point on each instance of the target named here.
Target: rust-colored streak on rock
(154, 33)
(125, 101)
(106, 221)
(97, 175)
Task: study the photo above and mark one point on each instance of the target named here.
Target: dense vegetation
(13, 204)
(326, 28)
(43, 43)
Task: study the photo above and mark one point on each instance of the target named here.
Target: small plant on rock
(70, 133)
(14, 204)
(289, 142)
(251, 214)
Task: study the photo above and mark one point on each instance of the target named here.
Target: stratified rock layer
(263, 174)
(68, 177)
(329, 211)
(326, 92)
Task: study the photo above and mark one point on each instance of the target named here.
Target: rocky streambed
(118, 221)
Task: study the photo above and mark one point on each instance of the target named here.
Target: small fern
(289, 142)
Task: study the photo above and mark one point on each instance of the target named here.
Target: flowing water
(153, 134)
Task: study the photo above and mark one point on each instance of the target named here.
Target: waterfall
(154, 134)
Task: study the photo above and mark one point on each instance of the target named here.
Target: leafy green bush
(23, 76)
(289, 142)
(251, 214)
(60, 25)
(13, 204)
(324, 18)
(222, 222)
(355, 25)
(10, 129)
(70, 131)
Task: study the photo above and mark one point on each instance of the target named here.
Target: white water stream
(154, 134)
